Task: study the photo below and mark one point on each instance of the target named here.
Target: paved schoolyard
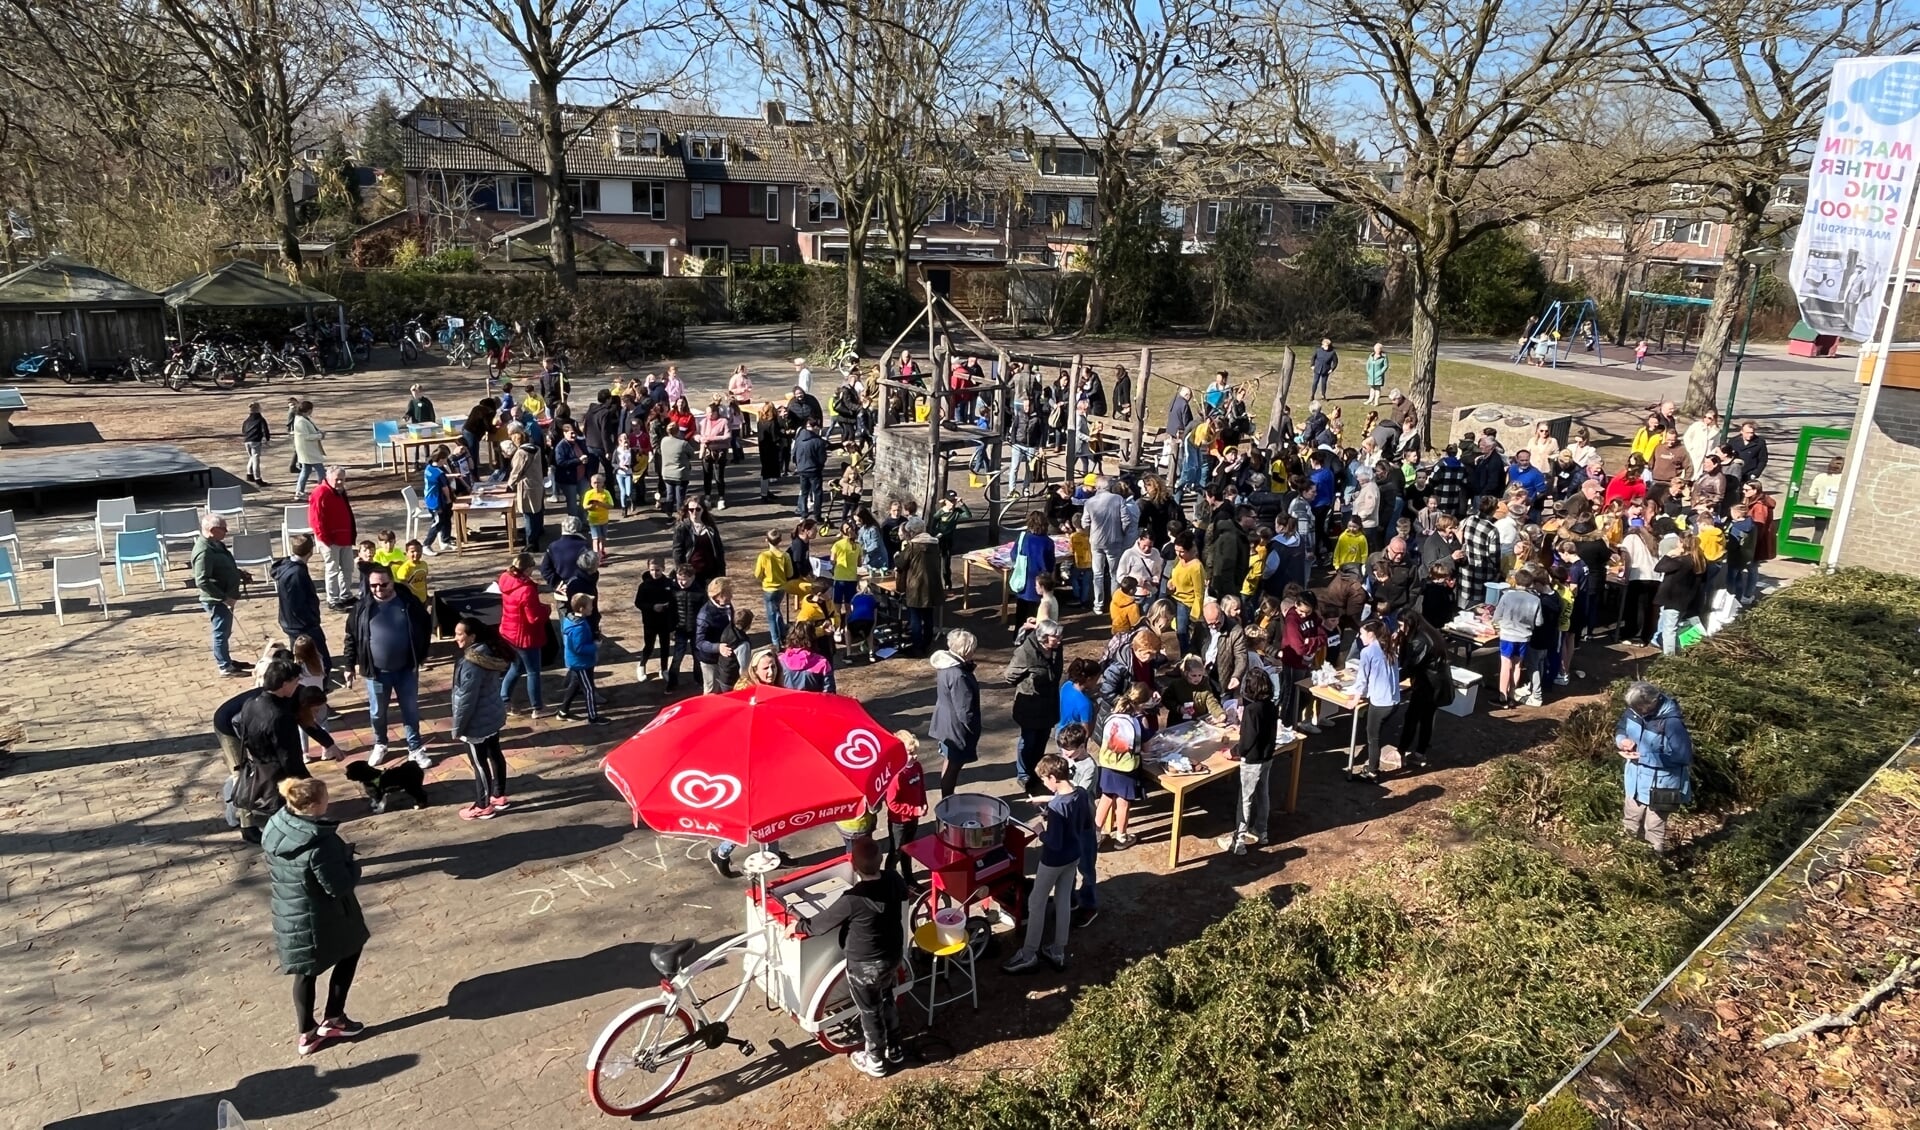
(136, 960)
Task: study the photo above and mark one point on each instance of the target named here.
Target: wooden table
(1468, 642)
(1218, 766)
(10, 402)
(403, 447)
(1331, 694)
(999, 560)
(503, 504)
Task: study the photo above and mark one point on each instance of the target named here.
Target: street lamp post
(1757, 260)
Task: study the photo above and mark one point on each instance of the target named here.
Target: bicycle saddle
(668, 957)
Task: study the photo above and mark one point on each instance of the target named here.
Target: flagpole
(1882, 358)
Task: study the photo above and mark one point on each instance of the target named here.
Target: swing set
(1549, 338)
(1668, 323)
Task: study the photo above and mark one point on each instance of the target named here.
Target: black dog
(381, 784)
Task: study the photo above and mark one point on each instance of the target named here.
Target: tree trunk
(1424, 290)
(1620, 300)
(553, 140)
(1096, 314)
(856, 283)
(1729, 293)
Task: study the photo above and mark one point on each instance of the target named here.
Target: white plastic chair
(142, 520)
(228, 502)
(9, 532)
(81, 571)
(109, 514)
(179, 528)
(6, 575)
(254, 553)
(417, 512)
(293, 520)
(138, 547)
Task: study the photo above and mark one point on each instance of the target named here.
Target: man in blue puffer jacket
(1659, 754)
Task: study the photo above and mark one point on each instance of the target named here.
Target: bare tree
(866, 79)
(1107, 74)
(1752, 75)
(267, 68)
(457, 53)
(1458, 103)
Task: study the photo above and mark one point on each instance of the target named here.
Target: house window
(513, 194)
(428, 125)
(1686, 193)
(703, 148)
(1668, 229)
(772, 204)
(1069, 163)
(507, 127)
(1079, 211)
(1173, 215)
(655, 256)
(708, 251)
(822, 205)
(1214, 210)
(650, 199)
(980, 209)
(759, 255)
(1700, 233)
(706, 200)
(940, 211)
(1306, 217)
(583, 196)
(1788, 194)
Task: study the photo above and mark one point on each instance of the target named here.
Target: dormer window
(428, 125)
(702, 147)
(507, 127)
(1068, 163)
(639, 142)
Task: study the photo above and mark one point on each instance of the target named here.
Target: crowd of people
(1216, 586)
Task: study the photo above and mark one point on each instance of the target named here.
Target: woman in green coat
(317, 924)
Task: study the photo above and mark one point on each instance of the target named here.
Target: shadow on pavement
(280, 1093)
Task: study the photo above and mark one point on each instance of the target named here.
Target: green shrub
(1452, 987)
(767, 292)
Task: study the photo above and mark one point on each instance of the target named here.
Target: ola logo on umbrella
(858, 750)
(665, 716)
(695, 789)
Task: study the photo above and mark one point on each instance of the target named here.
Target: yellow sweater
(772, 569)
(1187, 584)
(1351, 549)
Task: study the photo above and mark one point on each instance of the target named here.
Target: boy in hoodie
(1124, 607)
(688, 596)
(654, 600)
(479, 716)
(299, 600)
(255, 433)
(581, 652)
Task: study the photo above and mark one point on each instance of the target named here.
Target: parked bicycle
(54, 359)
(200, 361)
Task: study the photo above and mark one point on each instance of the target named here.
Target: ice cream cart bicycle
(645, 1051)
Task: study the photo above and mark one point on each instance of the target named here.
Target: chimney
(1169, 137)
(776, 114)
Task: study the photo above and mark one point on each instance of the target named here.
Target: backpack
(256, 786)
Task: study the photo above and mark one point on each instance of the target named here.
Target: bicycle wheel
(227, 378)
(68, 372)
(623, 1077)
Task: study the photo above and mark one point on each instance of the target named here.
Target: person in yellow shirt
(598, 503)
(1124, 608)
(1187, 584)
(773, 568)
(1713, 539)
(846, 569)
(412, 570)
(534, 405)
(813, 608)
(387, 550)
(1647, 439)
(1080, 576)
(1257, 551)
(1351, 548)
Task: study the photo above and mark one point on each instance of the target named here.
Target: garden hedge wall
(1458, 983)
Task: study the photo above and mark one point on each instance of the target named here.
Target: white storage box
(1466, 692)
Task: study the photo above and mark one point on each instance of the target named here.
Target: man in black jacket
(561, 565)
(1487, 478)
(873, 936)
(810, 464)
(299, 601)
(255, 433)
(1227, 550)
(1034, 675)
(1325, 361)
(387, 641)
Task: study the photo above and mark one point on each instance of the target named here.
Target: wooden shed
(104, 319)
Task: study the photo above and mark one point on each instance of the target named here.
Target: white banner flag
(1859, 189)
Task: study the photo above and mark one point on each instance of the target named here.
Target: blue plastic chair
(6, 575)
(383, 433)
(138, 547)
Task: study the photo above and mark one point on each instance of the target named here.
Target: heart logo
(665, 716)
(695, 789)
(858, 750)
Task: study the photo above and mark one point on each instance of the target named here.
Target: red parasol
(755, 764)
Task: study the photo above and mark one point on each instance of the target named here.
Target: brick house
(1682, 234)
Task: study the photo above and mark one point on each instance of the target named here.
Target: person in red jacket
(523, 627)
(906, 804)
(330, 516)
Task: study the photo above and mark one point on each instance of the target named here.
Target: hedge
(1454, 985)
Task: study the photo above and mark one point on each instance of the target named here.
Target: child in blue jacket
(580, 651)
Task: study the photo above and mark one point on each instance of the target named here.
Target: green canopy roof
(244, 283)
(60, 281)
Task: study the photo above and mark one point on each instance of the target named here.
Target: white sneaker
(1561, 679)
(419, 757)
(429, 551)
(720, 504)
(639, 672)
(867, 1064)
(376, 756)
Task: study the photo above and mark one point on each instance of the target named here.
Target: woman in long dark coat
(317, 923)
